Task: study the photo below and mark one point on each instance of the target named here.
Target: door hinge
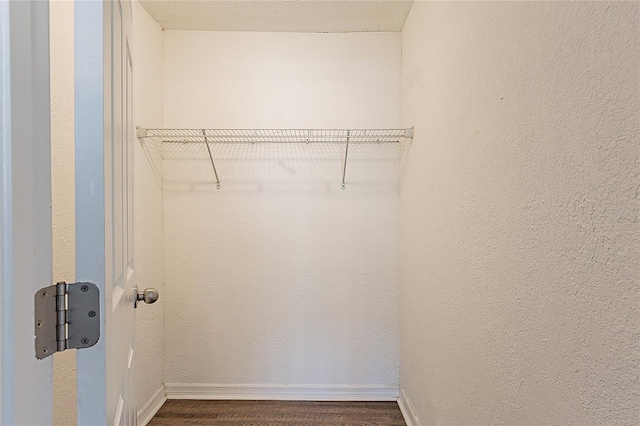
(67, 316)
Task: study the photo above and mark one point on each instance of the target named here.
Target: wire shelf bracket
(346, 155)
(213, 164)
(288, 136)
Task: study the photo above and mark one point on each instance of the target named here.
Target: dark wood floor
(277, 413)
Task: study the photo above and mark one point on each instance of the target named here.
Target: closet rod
(340, 142)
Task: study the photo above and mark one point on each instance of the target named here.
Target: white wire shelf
(252, 136)
(218, 137)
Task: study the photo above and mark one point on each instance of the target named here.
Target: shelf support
(141, 133)
(213, 164)
(408, 133)
(346, 154)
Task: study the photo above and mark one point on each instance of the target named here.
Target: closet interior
(422, 202)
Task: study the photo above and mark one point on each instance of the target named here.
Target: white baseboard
(146, 413)
(282, 392)
(409, 415)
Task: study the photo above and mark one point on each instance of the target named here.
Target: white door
(104, 137)
(25, 209)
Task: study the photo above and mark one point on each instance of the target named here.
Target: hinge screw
(92, 314)
(84, 341)
(84, 288)
(45, 350)
(43, 294)
(39, 324)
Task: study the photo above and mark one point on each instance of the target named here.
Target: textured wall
(147, 53)
(63, 191)
(280, 277)
(519, 232)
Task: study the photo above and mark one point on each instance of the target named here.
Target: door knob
(148, 296)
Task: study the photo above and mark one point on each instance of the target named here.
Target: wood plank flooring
(277, 413)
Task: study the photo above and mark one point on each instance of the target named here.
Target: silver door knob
(148, 296)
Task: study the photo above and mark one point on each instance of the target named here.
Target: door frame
(89, 129)
(104, 135)
(25, 209)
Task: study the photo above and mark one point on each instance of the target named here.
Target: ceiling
(308, 16)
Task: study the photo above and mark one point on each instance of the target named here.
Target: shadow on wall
(153, 151)
(278, 167)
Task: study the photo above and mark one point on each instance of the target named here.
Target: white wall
(147, 53)
(519, 213)
(280, 277)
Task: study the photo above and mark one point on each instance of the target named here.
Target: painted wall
(63, 190)
(147, 54)
(519, 213)
(281, 277)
